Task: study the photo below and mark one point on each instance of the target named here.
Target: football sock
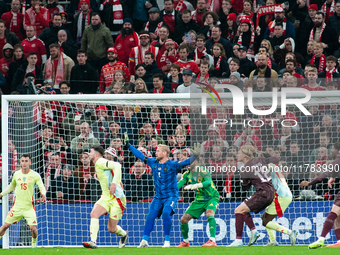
(94, 228)
(239, 220)
(185, 230)
(167, 227)
(212, 226)
(271, 234)
(328, 225)
(120, 231)
(273, 225)
(249, 221)
(34, 240)
(337, 234)
(149, 224)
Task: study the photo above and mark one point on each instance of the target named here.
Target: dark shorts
(259, 200)
(337, 199)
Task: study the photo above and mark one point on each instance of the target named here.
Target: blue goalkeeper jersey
(164, 175)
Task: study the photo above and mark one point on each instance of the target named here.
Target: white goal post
(297, 216)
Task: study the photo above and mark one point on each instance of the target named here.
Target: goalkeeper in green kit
(206, 200)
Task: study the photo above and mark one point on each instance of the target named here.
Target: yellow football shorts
(16, 214)
(115, 207)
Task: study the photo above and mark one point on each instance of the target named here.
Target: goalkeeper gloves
(197, 149)
(126, 140)
(193, 186)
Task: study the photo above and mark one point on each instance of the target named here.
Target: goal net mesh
(59, 134)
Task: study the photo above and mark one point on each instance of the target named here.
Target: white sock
(321, 238)
(186, 240)
(289, 232)
(253, 231)
(213, 239)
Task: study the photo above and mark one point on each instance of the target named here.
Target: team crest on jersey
(24, 179)
(159, 168)
(132, 39)
(165, 168)
(30, 180)
(33, 45)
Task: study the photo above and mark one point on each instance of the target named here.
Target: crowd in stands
(133, 47)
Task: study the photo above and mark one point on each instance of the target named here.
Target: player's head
(335, 150)
(25, 161)
(96, 152)
(246, 153)
(162, 152)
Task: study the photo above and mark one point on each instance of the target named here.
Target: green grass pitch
(284, 250)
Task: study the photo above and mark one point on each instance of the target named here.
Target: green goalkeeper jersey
(201, 176)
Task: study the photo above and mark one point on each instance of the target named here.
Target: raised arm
(196, 151)
(135, 152)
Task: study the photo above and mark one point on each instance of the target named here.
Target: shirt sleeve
(136, 152)
(117, 169)
(318, 179)
(183, 180)
(40, 185)
(186, 162)
(10, 188)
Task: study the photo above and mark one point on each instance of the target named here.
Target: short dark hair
(176, 66)
(95, 14)
(56, 14)
(183, 46)
(262, 47)
(99, 149)
(279, 24)
(237, 61)
(159, 76)
(320, 13)
(82, 52)
(185, 12)
(331, 58)
(151, 54)
(172, 1)
(31, 53)
(139, 65)
(292, 61)
(200, 36)
(337, 146)
(26, 155)
(64, 82)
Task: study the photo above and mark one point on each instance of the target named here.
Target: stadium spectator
(216, 37)
(328, 9)
(221, 67)
(140, 87)
(114, 131)
(148, 135)
(209, 20)
(308, 124)
(167, 56)
(6, 37)
(32, 43)
(112, 13)
(57, 68)
(324, 34)
(84, 172)
(7, 53)
(312, 76)
(95, 41)
(154, 23)
(235, 79)
(53, 7)
(108, 70)
(137, 54)
(175, 78)
(279, 17)
(201, 9)
(84, 141)
(327, 126)
(81, 20)
(50, 35)
(330, 73)
(283, 141)
(18, 59)
(163, 36)
(100, 127)
(323, 142)
(203, 75)
(67, 45)
(151, 69)
(15, 20)
(128, 123)
(334, 20)
(184, 25)
(84, 78)
(295, 156)
(138, 184)
(126, 41)
(64, 187)
(36, 16)
(52, 170)
(200, 51)
(183, 61)
(213, 139)
(263, 70)
(160, 128)
(171, 16)
(188, 86)
(158, 86)
(28, 67)
(246, 65)
(247, 135)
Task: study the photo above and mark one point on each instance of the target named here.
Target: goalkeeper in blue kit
(164, 172)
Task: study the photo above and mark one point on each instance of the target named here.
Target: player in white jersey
(24, 182)
(112, 201)
(283, 198)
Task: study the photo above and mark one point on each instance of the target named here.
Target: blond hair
(249, 150)
(164, 148)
